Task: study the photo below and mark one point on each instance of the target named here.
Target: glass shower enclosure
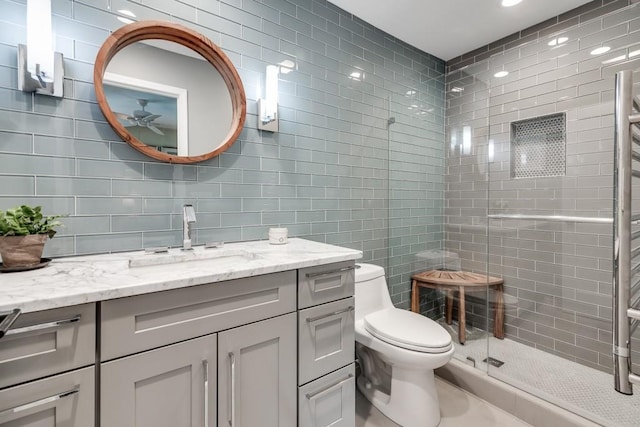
(521, 189)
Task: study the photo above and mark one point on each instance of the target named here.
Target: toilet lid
(408, 330)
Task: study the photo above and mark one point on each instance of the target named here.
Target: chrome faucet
(188, 218)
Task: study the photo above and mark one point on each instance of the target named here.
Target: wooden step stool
(452, 281)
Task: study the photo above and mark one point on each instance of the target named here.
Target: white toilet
(398, 351)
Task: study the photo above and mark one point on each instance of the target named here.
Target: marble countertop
(83, 279)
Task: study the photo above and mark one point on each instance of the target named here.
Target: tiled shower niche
(538, 147)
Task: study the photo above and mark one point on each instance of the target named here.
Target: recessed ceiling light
(501, 74)
(509, 3)
(600, 50)
(125, 20)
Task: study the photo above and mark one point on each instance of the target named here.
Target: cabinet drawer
(329, 401)
(324, 283)
(326, 339)
(47, 342)
(65, 400)
(143, 322)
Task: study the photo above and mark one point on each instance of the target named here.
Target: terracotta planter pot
(22, 251)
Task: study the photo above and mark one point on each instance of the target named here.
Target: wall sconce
(268, 107)
(40, 69)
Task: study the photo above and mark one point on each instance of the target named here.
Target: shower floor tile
(578, 388)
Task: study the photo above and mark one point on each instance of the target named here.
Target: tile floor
(457, 407)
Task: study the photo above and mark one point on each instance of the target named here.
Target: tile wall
(325, 175)
(557, 274)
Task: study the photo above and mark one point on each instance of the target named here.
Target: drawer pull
(324, 316)
(329, 273)
(9, 318)
(47, 325)
(40, 402)
(314, 395)
(232, 362)
(205, 368)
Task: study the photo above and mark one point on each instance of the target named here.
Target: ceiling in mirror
(169, 92)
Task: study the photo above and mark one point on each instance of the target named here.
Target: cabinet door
(329, 401)
(173, 386)
(65, 400)
(327, 339)
(257, 374)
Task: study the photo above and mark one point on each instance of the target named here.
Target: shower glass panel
(537, 142)
(416, 185)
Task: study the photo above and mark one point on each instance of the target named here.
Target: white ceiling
(449, 28)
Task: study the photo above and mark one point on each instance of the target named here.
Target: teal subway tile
(15, 100)
(220, 175)
(95, 130)
(100, 18)
(259, 204)
(234, 13)
(187, 189)
(295, 178)
(50, 205)
(141, 188)
(321, 10)
(259, 9)
(239, 219)
(278, 31)
(310, 216)
(278, 218)
(278, 165)
(108, 205)
(259, 38)
(73, 225)
(36, 123)
(240, 190)
(11, 142)
(259, 177)
(17, 185)
(101, 243)
(297, 204)
(238, 45)
(71, 147)
(171, 238)
(35, 164)
(63, 186)
(129, 223)
(162, 171)
(278, 190)
(109, 169)
(60, 246)
(309, 20)
(257, 232)
(225, 234)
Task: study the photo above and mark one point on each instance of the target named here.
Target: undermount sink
(214, 255)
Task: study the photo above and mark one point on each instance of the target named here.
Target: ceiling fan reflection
(142, 117)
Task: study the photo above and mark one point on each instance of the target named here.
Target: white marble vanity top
(78, 280)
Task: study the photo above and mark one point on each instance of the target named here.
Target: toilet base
(413, 401)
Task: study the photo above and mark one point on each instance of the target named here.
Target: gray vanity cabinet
(173, 386)
(257, 374)
(326, 346)
(222, 351)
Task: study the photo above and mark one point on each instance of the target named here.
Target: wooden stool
(450, 281)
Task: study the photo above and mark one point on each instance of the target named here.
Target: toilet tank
(371, 290)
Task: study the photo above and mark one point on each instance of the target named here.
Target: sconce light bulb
(39, 39)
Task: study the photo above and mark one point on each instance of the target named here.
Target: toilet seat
(408, 330)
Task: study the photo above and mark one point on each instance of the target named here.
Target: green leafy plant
(25, 220)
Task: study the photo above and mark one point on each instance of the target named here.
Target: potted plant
(23, 233)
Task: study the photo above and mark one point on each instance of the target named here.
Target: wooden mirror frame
(191, 39)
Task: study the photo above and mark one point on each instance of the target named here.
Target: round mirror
(169, 92)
